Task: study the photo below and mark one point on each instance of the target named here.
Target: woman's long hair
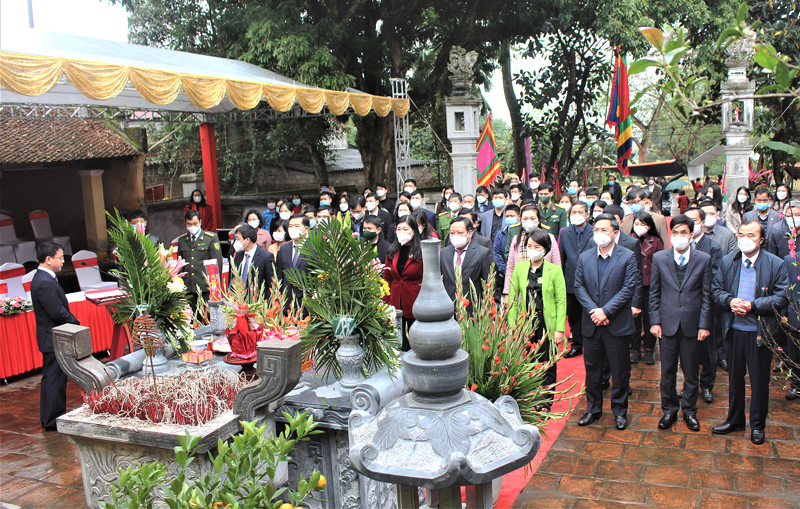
(421, 217)
(202, 199)
(647, 219)
(415, 251)
(741, 208)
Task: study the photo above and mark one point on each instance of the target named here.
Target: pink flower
(2, 310)
(140, 228)
(174, 267)
(16, 304)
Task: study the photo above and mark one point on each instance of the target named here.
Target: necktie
(747, 263)
(694, 244)
(246, 266)
(681, 260)
(459, 252)
(295, 256)
(580, 238)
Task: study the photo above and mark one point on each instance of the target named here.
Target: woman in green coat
(541, 283)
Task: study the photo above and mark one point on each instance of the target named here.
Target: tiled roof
(44, 141)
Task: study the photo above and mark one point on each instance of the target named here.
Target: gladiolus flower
(474, 387)
(504, 370)
(485, 347)
(497, 359)
(464, 302)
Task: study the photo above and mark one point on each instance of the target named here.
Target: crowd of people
(706, 287)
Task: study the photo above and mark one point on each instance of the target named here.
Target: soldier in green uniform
(553, 217)
(444, 218)
(195, 247)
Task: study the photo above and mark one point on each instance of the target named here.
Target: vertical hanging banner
(619, 113)
(488, 163)
(529, 167)
(556, 180)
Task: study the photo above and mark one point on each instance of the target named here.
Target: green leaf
(768, 88)
(654, 35)
(742, 13)
(782, 74)
(641, 65)
(676, 53)
(789, 148)
(765, 59)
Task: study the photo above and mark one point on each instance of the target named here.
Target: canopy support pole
(208, 144)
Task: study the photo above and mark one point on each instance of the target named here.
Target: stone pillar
(737, 116)
(463, 120)
(94, 209)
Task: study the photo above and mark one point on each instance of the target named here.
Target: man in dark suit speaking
(254, 264)
(680, 314)
(605, 280)
(51, 309)
(474, 260)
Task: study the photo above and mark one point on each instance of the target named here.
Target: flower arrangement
(344, 281)
(13, 305)
(502, 360)
(148, 275)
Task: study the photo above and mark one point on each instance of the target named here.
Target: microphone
(98, 269)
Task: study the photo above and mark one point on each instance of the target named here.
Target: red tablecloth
(19, 351)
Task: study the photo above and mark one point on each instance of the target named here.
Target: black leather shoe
(757, 436)
(636, 356)
(708, 396)
(649, 358)
(793, 393)
(588, 418)
(777, 368)
(606, 384)
(723, 364)
(668, 420)
(725, 428)
(574, 352)
(691, 422)
(621, 422)
(50, 428)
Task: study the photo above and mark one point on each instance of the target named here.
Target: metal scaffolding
(402, 140)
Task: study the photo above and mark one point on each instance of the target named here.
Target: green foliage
(144, 278)
(344, 279)
(242, 475)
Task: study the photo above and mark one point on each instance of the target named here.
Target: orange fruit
(286, 506)
(321, 483)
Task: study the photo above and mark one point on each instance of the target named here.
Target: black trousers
(708, 359)
(551, 375)
(596, 349)
(719, 340)
(53, 398)
(744, 355)
(687, 349)
(574, 314)
(642, 324)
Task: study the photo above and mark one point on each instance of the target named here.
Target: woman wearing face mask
(529, 219)
(644, 230)
(566, 201)
(297, 204)
(198, 202)
(284, 213)
(253, 218)
(596, 209)
(280, 236)
(423, 224)
(344, 204)
(539, 285)
(737, 209)
(403, 271)
(783, 193)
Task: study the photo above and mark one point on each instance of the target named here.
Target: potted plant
(343, 288)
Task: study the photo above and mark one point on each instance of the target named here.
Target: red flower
(485, 347)
(503, 349)
(474, 387)
(497, 359)
(495, 373)
(504, 370)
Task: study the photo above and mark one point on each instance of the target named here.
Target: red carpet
(514, 482)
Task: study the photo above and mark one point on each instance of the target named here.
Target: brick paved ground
(599, 466)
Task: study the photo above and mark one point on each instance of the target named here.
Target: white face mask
(741, 198)
(467, 206)
(371, 205)
(529, 226)
(194, 230)
(408, 189)
(271, 206)
(447, 197)
(514, 196)
(793, 222)
(698, 227)
(358, 216)
(596, 213)
(238, 246)
(481, 199)
(380, 193)
(535, 254)
(285, 215)
(534, 185)
(254, 223)
(641, 231)
(782, 195)
(710, 221)
(601, 239)
(401, 215)
(651, 182)
(680, 243)
(416, 202)
(458, 241)
(404, 238)
(279, 236)
(295, 233)
(747, 245)
(198, 199)
(343, 207)
(577, 219)
(453, 206)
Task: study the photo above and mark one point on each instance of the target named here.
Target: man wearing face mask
(515, 194)
(417, 199)
(655, 193)
(135, 218)
(383, 199)
(615, 190)
(637, 199)
(499, 252)
(195, 247)
(358, 210)
(573, 241)
(372, 233)
(444, 218)
(271, 213)
(492, 220)
(482, 199)
(255, 265)
(717, 232)
(553, 217)
(605, 281)
(325, 199)
(472, 259)
(476, 237)
(748, 289)
(763, 213)
(291, 259)
(375, 210)
(781, 232)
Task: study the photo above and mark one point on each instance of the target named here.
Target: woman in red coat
(644, 230)
(403, 271)
(198, 202)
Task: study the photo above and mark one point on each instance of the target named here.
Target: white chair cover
(89, 274)
(7, 254)
(26, 283)
(12, 274)
(40, 221)
(23, 250)
(3, 289)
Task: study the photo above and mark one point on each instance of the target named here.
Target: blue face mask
(762, 206)
(589, 201)
(573, 190)
(296, 202)
(324, 203)
(312, 223)
(636, 208)
(511, 220)
(498, 204)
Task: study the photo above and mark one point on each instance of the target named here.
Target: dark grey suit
(263, 263)
(713, 348)
(681, 306)
(613, 294)
(779, 239)
(51, 309)
(475, 266)
(570, 248)
(284, 264)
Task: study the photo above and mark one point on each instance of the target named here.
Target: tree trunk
(320, 167)
(375, 141)
(513, 109)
